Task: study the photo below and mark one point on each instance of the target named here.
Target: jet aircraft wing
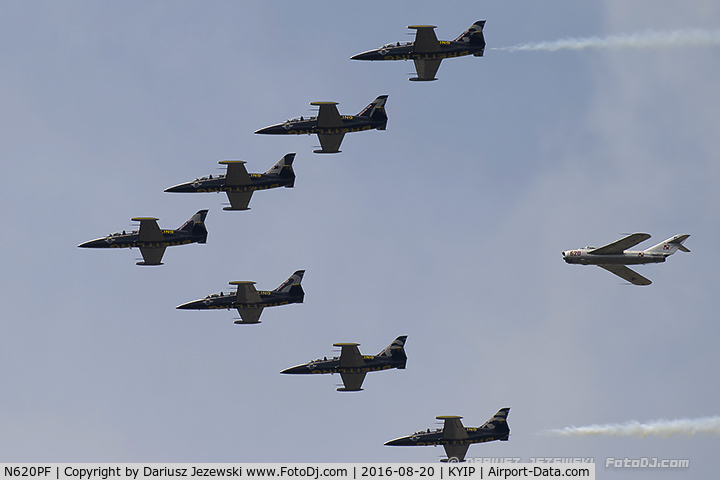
(328, 116)
(626, 274)
(425, 39)
(238, 200)
(246, 292)
(352, 381)
(621, 245)
(149, 230)
(330, 143)
(350, 355)
(426, 69)
(237, 175)
(249, 315)
(152, 256)
(456, 451)
(453, 428)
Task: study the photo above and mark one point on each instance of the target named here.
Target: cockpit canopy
(396, 44)
(221, 294)
(300, 119)
(210, 177)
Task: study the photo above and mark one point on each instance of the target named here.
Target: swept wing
(621, 245)
(626, 274)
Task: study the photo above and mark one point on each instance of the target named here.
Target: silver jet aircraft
(614, 256)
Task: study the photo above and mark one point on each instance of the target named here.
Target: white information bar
(294, 471)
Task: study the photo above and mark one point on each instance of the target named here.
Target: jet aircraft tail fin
(474, 36)
(498, 423)
(292, 285)
(196, 225)
(376, 110)
(284, 169)
(396, 351)
(670, 246)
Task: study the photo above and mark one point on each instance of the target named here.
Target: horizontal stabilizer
(670, 246)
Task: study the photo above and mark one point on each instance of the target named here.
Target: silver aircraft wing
(626, 274)
(621, 245)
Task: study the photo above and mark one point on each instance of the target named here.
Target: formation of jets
(352, 366)
(614, 256)
(455, 438)
(427, 52)
(250, 302)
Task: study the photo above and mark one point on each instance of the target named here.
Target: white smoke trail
(649, 39)
(660, 428)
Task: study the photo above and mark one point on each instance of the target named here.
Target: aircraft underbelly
(630, 259)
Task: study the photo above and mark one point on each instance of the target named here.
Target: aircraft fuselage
(373, 363)
(583, 256)
(260, 181)
(475, 435)
(449, 49)
(351, 123)
(131, 240)
(229, 301)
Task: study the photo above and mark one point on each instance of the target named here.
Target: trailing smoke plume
(649, 39)
(660, 428)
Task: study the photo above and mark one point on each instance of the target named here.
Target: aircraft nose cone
(189, 305)
(364, 56)
(272, 130)
(397, 441)
(184, 187)
(93, 244)
(295, 370)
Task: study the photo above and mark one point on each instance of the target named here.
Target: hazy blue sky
(447, 227)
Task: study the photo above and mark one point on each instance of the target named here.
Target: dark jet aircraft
(456, 438)
(427, 52)
(152, 241)
(614, 256)
(352, 366)
(330, 126)
(239, 184)
(250, 302)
